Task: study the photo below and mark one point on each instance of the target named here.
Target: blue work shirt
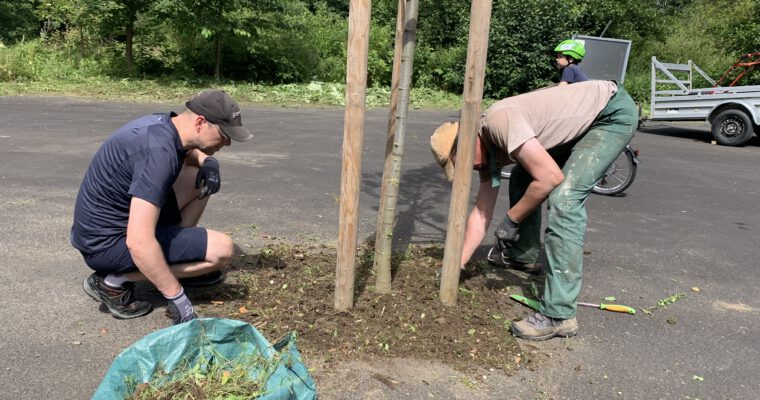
(573, 74)
(141, 159)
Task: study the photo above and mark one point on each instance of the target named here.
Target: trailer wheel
(732, 128)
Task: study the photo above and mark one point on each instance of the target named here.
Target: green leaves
(296, 41)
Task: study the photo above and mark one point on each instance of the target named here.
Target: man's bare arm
(546, 176)
(479, 219)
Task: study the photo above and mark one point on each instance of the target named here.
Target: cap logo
(236, 115)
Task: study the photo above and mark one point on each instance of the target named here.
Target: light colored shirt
(553, 116)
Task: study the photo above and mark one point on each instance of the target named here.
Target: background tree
(76, 20)
(123, 19)
(17, 21)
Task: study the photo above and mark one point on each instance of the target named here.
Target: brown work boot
(541, 327)
(120, 301)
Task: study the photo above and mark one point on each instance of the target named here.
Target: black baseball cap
(219, 108)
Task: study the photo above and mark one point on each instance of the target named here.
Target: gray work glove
(208, 179)
(507, 233)
(180, 308)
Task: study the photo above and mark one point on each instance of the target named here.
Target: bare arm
(145, 249)
(480, 217)
(546, 176)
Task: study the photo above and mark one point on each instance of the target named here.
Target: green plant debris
(697, 378)
(610, 298)
(664, 303)
(207, 378)
(670, 299)
(533, 290)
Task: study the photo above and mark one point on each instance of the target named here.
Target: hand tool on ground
(610, 307)
(534, 304)
(524, 300)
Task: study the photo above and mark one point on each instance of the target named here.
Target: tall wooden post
(477, 48)
(353, 134)
(406, 32)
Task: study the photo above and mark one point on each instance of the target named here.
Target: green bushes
(300, 41)
(34, 60)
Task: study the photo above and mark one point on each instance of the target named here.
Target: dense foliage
(289, 41)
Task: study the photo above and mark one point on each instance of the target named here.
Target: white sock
(115, 280)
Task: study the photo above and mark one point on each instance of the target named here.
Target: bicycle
(618, 177)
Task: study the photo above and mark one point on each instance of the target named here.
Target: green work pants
(583, 163)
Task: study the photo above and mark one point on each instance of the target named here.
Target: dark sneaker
(496, 257)
(120, 302)
(541, 327)
(210, 279)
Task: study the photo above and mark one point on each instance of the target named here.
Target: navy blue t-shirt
(142, 159)
(573, 74)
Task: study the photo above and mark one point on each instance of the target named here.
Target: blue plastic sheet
(203, 339)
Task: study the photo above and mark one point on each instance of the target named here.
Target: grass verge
(178, 90)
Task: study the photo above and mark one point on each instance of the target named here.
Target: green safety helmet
(571, 47)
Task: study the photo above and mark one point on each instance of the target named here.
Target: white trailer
(732, 111)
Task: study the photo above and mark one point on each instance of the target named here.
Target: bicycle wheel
(619, 176)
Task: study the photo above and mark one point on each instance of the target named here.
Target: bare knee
(220, 249)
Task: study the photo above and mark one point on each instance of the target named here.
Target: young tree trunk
(218, 45)
(81, 43)
(218, 63)
(353, 135)
(394, 153)
(130, 31)
(477, 47)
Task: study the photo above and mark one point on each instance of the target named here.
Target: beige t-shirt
(554, 116)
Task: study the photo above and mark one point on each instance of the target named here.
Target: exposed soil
(286, 288)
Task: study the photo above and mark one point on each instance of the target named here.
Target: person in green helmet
(569, 54)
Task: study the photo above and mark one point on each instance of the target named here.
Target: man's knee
(564, 198)
(184, 186)
(220, 248)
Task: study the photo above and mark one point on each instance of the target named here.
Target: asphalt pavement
(689, 224)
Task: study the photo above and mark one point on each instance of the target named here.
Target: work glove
(507, 233)
(180, 308)
(208, 179)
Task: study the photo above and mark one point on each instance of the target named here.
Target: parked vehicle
(618, 177)
(732, 111)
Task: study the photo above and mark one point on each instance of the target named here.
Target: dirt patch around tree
(291, 288)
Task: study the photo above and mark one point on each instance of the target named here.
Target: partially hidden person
(137, 211)
(561, 139)
(570, 53)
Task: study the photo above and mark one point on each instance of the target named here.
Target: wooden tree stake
(477, 48)
(353, 134)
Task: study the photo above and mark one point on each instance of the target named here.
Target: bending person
(562, 139)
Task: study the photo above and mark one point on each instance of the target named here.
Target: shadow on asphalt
(420, 193)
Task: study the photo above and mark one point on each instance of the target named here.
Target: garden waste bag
(197, 346)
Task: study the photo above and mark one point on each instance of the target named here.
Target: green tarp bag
(200, 340)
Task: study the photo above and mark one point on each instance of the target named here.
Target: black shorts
(179, 244)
